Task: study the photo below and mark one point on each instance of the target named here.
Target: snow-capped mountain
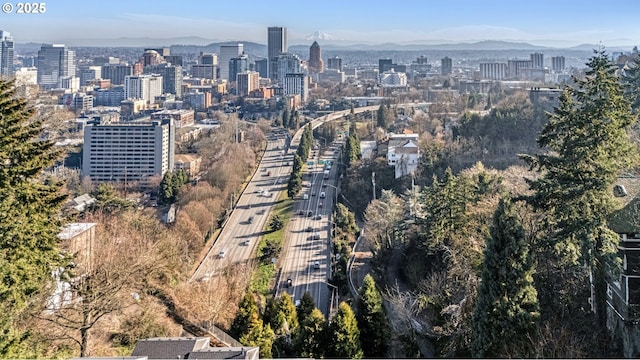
(319, 35)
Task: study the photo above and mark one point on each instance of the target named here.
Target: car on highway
(320, 205)
(250, 220)
(260, 191)
(305, 197)
(315, 236)
(309, 229)
(316, 264)
(288, 283)
(301, 212)
(318, 217)
(268, 173)
(309, 213)
(324, 184)
(323, 195)
(222, 253)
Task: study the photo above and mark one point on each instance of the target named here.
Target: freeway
(306, 260)
(239, 236)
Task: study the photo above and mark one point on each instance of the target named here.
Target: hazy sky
(544, 22)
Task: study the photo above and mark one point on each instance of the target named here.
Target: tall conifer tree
(29, 215)
(507, 304)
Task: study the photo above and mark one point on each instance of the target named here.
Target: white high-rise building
(6, 54)
(493, 71)
(128, 152)
(54, 63)
(228, 52)
(144, 87)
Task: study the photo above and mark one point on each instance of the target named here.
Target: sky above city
(540, 22)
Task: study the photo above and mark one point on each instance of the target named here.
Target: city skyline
(544, 23)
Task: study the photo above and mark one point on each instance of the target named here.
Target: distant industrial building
(493, 71)
(128, 151)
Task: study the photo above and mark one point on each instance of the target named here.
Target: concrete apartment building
(247, 82)
(296, 84)
(143, 87)
(128, 151)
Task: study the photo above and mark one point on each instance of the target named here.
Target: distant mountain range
(325, 41)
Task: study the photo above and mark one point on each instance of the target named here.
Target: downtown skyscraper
(276, 45)
(6, 54)
(54, 63)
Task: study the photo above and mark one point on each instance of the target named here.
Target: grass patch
(270, 247)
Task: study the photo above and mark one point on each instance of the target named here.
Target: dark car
(289, 283)
(250, 220)
(309, 213)
(310, 229)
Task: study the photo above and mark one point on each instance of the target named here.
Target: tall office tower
(144, 87)
(276, 45)
(262, 67)
(208, 59)
(284, 64)
(228, 52)
(422, 60)
(446, 67)
(493, 71)
(384, 65)
(55, 62)
(334, 63)
(557, 63)
(171, 77)
(116, 72)
(6, 54)
(246, 82)
(238, 64)
(538, 60)
(296, 84)
(316, 64)
(128, 152)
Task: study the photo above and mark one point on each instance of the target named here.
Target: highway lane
(239, 237)
(306, 259)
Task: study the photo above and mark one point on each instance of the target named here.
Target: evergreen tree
(306, 306)
(310, 339)
(247, 310)
(344, 334)
(372, 320)
(285, 116)
(29, 216)
(382, 120)
(287, 308)
(507, 305)
(166, 189)
(631, 81)
(589, 143)
(258, 334)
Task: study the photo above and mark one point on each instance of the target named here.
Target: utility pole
(373, 181)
